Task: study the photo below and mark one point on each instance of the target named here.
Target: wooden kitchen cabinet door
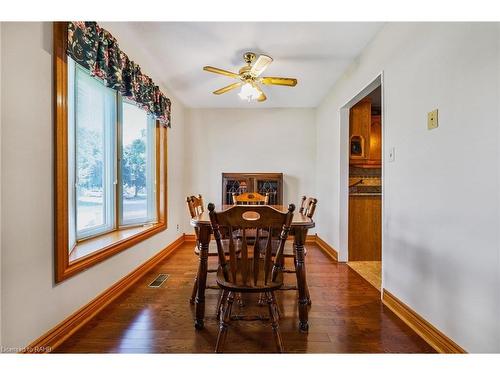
(365, 227)
(360, 117)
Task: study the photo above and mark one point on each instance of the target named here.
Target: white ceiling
(315, 53)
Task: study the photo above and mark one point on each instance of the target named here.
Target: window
(137, 161)
(112, 148)
(110, 170)
(92, 118)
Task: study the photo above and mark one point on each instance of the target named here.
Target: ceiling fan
(249, 78)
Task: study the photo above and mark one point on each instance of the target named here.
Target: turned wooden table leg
(201, 277)
(195, 290)
(300, 236)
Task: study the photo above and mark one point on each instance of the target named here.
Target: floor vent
(159, 280)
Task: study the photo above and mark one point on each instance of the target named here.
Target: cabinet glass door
(233, 185)
(271, 187)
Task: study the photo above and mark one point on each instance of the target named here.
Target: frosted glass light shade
(248, 92)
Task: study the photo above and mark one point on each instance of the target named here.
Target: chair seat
(212, 247)
(249, 287)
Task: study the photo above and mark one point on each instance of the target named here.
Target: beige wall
(252, 140)
(441, 194)
(31, 303)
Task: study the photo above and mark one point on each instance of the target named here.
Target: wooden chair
(250, 198)
(258, 271)
(195, 207)
(307, 208)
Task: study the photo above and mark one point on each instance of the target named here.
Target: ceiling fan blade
(227, 88)
(262, 96)
(220, 71)
(281, 81)
(260, 65)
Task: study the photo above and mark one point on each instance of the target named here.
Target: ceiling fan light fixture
(249, 78)
(248, 92)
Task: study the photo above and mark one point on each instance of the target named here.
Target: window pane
(138, 165)
(95, 107)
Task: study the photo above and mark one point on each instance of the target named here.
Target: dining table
(300, 225)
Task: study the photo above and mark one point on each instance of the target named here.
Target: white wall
(441, 224)
(250, 140)
(31, 303)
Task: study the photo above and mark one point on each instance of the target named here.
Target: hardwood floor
(346, 316)
(370, 270)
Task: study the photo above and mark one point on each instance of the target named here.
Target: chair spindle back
(308, 206)
(250, 199)
(245, 270)
(195, 205)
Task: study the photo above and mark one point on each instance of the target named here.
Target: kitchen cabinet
(365, 134)
(365, 227)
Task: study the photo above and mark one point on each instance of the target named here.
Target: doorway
(361, 190)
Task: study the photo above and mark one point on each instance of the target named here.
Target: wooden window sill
(92, 251)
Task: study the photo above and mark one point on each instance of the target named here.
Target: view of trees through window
(95, 119)
(137, 163)
(114, 153)
(90, 172)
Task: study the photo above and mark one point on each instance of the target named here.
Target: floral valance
(95, 49)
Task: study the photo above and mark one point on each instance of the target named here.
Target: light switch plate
(432, 120)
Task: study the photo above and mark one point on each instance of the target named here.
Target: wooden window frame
(105, 245)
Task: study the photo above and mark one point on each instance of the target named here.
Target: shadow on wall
(46, 37)
(443, 289)
(290, 181)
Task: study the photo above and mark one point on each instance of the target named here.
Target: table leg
(204, 240)
(300, 236)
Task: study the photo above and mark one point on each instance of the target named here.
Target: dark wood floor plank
(347, 316)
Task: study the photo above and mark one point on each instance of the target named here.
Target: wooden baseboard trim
(434, 337)
(327, 249)
(57, 335)
(311, 238)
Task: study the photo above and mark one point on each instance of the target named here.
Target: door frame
(344, 166)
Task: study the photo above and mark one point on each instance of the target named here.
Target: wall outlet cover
(432, 120)
(392, 154)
